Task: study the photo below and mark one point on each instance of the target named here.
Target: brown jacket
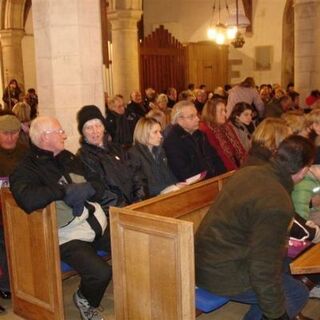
(241, 242)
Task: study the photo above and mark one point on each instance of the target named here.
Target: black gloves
(76, 195)
(283, 317)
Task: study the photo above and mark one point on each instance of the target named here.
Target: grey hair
(37, 127)
(178, 109)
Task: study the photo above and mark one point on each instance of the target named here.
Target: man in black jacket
(187, 149)
(50, 173)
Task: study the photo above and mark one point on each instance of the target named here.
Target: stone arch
(12, 14)
(13, 17)
(287, 67)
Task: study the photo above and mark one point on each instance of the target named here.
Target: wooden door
(34, 261)
(162, 61)
(207, 64)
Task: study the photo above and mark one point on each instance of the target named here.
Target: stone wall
(188, 22)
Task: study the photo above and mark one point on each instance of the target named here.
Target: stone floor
(231, 311)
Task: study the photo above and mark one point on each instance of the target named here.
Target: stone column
(306, 49)
(12, 55)
(125, 57)
(68, 59)
(315, 75)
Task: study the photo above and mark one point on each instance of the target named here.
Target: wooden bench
(34, 261)
(307, 262)
(153, 252)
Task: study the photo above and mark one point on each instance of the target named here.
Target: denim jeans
(296, 297)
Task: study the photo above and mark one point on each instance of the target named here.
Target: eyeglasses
(58, 131)
(190, 117)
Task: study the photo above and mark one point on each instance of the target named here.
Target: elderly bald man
(51, 173)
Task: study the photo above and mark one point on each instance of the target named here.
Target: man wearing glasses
(51, 173)
(188, 150)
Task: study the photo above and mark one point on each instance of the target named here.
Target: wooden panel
(153, 266)
(308, 262)
(153, 253)
(185, 201)
(34, 261)
(208, 64)
(162, 61)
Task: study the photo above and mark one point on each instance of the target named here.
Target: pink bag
(296, 247)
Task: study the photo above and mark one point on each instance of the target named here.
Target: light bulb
(211, 33)
(231, 32)
(220, 38)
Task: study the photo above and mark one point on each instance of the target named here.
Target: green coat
(241, 242)
(302, 194)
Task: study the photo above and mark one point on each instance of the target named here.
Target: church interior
(75, 53)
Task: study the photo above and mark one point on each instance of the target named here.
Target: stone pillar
(125, 57)
(306, 56)
(315, 75)
(12, 55)
(68, 60)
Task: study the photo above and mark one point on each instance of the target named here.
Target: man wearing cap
(11, 153)
(49, 173)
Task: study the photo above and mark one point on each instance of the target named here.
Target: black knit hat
(87, 113)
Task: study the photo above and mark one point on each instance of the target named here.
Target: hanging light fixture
(238, 41)
(217, 30)
(225, 29)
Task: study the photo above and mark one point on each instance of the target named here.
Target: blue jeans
(296, 297)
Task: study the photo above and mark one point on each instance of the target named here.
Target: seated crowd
(153, 146)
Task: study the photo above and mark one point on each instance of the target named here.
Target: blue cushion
(66, 268)
(207, 301)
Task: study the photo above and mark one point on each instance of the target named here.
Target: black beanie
(87, 113)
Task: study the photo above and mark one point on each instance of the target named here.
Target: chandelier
(227, 24)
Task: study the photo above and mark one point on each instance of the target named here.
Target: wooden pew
(307, 262)
(34, 260)
(153, 253)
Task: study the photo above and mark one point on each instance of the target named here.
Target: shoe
(315, 293)
(300, 316)
(86, 311)
(5, 294)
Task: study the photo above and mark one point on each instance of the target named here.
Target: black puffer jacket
(110, 166)
(152, 168)
(36, 181)
(189, 154)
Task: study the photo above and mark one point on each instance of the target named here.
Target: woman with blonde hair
(148, 159)
(228, 146)
(266, 139)
(296, 121)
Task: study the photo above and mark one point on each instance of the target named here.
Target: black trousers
(95, 273)
(4, 278)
